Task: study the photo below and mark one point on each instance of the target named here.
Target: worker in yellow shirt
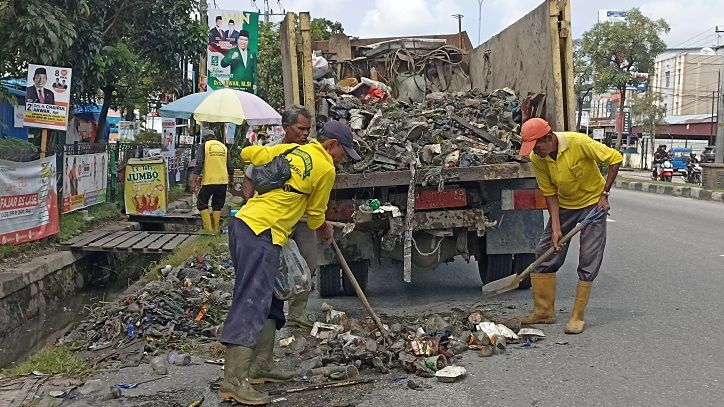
(215, 170)
(567, 171)
(256, 235)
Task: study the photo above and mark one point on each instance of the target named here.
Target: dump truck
(490, 213)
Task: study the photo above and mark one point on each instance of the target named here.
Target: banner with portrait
(29, 202)
(232, 50)
(47, 97)
(85, 179)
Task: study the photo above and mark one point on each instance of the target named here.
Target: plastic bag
(293, 275)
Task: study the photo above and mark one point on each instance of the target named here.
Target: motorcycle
(692, 173)
(666, 171)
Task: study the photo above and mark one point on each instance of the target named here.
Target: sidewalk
(641, 181)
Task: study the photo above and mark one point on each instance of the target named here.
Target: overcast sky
(692, 21)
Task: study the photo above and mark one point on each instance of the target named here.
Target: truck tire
(494, 267)
(330, 280)
(520, 262)
(360, 270)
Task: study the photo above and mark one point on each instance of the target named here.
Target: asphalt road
(654, 324)
(654, 327)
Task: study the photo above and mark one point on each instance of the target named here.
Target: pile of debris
(343, 346)
(188, 301)
(462, 129)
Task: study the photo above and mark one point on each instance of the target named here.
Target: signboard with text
(232, 50)
(85, 179)
(47, 97)
(29, 201)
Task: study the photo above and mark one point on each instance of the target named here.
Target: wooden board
(128, 241)
(489, 172)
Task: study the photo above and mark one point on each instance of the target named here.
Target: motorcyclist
(659, 157)
(691, 163)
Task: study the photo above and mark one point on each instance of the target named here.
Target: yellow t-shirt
(313, 174)
(215, 166)
(574, 175)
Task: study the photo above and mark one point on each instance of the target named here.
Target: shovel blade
(503, 285)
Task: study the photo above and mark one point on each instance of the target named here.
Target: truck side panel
(516, 231)
(534, 54)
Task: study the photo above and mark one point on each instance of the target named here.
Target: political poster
(47, 97)
(168, 135)
(29, 202)
(232, 50)
(85, 179)
(145, 187)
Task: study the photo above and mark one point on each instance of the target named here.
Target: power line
(707, 31)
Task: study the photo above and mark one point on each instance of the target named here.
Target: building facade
(688, 80)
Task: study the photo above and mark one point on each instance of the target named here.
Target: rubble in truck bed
(191, 301)
(462, 129)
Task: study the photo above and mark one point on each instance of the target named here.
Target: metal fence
(118, 156)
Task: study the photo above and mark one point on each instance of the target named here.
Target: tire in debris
(330, 280)
(360, 270)
(520, 262)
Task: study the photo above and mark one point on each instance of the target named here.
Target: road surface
(654, 327)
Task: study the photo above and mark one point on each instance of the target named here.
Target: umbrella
(225, 106)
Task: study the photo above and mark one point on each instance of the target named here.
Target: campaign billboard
(85, 179)
(47, 97)
(232, 50)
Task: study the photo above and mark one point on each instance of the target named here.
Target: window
(667, 79)
(678, 76)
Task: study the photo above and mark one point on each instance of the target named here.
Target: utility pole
(480, 18)
(719, 155)
(459, 17)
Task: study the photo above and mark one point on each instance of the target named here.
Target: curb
(673, 190)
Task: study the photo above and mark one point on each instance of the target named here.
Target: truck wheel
(330, 280)
(496, 267)
(520, 262)
(360, 270)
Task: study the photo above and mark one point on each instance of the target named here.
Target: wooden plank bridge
(134, 241)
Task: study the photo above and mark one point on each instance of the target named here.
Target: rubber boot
(544, 297)
(297, 315)
(206, 220)
(216, 221)
(263, 369)
(235, 385)
(575, 324)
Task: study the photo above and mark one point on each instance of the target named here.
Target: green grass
(177, 191)
(74, 223)
(58, 360)
(202, 245)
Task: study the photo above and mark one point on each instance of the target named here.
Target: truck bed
(512, 170)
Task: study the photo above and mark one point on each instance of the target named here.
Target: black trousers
(215, 192)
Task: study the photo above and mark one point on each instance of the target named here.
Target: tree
(648, 111)
(271, 86)
(582, 78)
(618, 51)
(322, 29)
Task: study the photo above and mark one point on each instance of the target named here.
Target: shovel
(512, 282)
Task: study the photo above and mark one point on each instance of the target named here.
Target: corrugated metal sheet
(7, 121)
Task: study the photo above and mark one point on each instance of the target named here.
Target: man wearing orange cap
(566, 168)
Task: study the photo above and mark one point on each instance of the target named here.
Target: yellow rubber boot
(544, 297)
(575, 324)
(216, 221)
(206, 220)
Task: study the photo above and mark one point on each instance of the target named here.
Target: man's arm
(247, 189)
(317, 204)
(610, 179)
(555, 214)
(610, 156)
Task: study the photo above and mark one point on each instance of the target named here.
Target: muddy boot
(216, 221)
(235, 386)
(575, 324)
(544, 297)
(263, 368)
(298, 311)
(206, 220)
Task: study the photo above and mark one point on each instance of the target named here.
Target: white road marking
(610, 220)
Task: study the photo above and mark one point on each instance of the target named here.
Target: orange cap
(530, 132)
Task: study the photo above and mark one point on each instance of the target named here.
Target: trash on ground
(450, 374)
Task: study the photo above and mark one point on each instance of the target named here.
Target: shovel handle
(547, 254)
(358, 289)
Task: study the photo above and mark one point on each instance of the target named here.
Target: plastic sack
(293, 275)
(320, 67)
